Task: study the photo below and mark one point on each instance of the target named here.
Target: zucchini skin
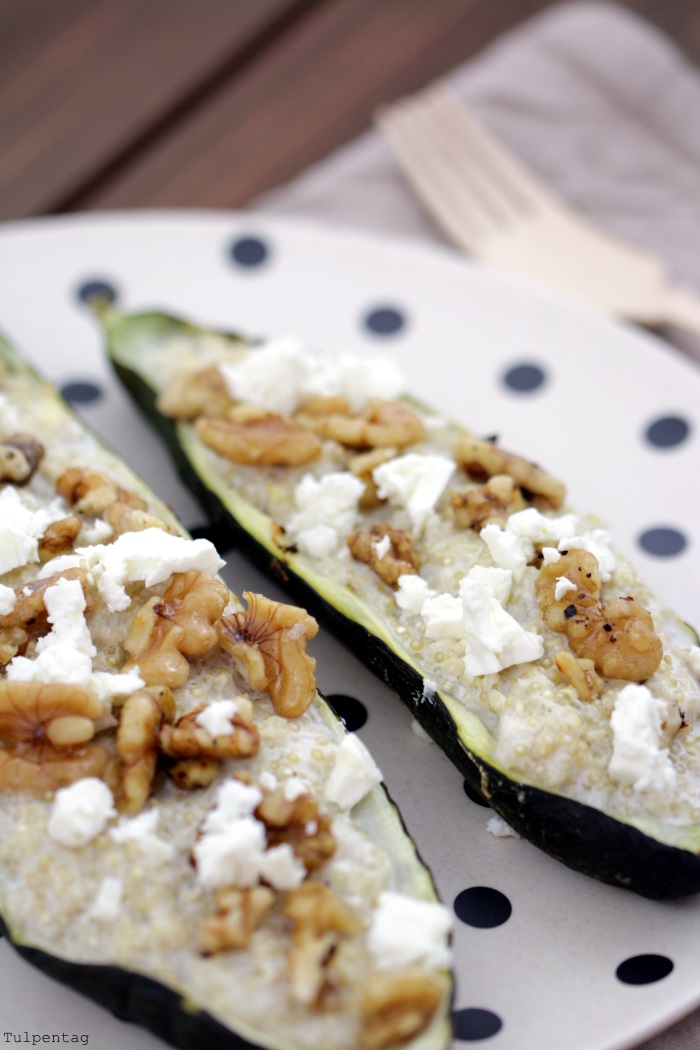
(150, 1004)
(583, 838)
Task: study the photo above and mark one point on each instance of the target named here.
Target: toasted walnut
(483, 459)
(187, 739)
(137, 745)
(268, 645)
(267, 440)
(44, 736)
(167, 632)
(12, 639)
(191, 774)
(581, 674)
(20, 455)
(380, 424)
(91, 492)
(59, 538)
(122, 517)
(488, 504)
(320, 919)
(618, 635)
(362, 466)
(194, 394)
(316, 909)
(397, 1006)
(240, 912)
(388, 551)
(298, 823)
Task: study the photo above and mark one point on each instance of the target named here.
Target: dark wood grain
(84, 82)
(207, 103)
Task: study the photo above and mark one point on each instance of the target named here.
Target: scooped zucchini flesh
(593, 759)
(188, 835)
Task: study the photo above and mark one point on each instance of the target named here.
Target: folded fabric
(597, 101)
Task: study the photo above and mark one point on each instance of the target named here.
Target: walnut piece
(91, 491)
(320, 920)
(191, 774)
(44, 736)
(362, 466)
(29, 612)
(298, 823)
(187, 739)
(618, 636)
(123, 517)
(59, 538)
(397, 1006)
(259, 439)
(137, 745)
(398, 559)
(20, 455)
(239, 913)
(581, 674)
(380, 424)
(167, 632)
(483, 459)
(488, 504)
(268, 645)
(193, 394)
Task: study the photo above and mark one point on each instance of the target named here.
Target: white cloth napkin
(597, 101)
(605, 109)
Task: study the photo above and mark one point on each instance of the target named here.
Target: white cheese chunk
(231, 857)
(414, 482)
(444, 617)
(107, 902)
(65, 653)
(141, 830)
(326, 512)
(8, 599)
(353, 775)
(497, 827)
(80, 812)
(409, 932)
(22, 524)
(217, 717)
(282, 373)
(412, 593)
(234, 800)
(150, 556)
(562, 587)
(550, 555)
(383, 546)
(514, 545)
(281, 868)
(494, 639)
(638, 757)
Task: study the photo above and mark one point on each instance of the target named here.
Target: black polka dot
(351, 711)
(385, 320)
(644, 969)
(482, 907)
(667, 432)
(218, 534)
(663, 541)
(472, 793)
(95, 289)
(249, 251)
(472, 1024)
(524, 378)
(82, 392)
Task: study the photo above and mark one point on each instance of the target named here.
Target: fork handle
(681, 307)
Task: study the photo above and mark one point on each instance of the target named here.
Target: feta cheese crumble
(217, 717)
(494, 639)
(8, 599)
(412, 592)
(327, 511)
(65, 653)
(414, 482)
(353, 775)
(150, 556)
(107, 902)
(80, 812)
(141, 830)
(21, 527)
(638, 757)
(409, 932)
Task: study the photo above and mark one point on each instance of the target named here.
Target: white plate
(548, 972)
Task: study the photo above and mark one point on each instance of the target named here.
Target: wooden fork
(491, 206)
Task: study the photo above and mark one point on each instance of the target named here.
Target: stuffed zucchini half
(187, 833)
(529, 650)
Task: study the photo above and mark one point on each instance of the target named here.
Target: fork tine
(522, 188)
(412, 137)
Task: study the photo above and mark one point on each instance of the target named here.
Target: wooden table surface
(206, 103)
